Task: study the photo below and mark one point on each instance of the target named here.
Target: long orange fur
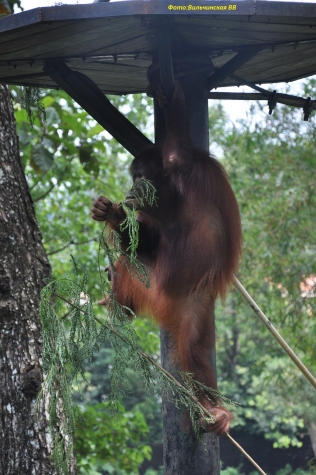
(190, 243)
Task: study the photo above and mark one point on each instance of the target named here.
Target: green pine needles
(30, 99)
(72, 333)
(144, 193)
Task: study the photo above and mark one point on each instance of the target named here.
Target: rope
(239, 447)
(274, 332)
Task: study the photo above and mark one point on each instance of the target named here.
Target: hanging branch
(65, 352)
(72, 242)
(184, 390)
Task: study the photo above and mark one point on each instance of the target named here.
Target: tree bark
(25, 446)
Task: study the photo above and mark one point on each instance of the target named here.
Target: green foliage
(41, 159)
(110, 443)
(88, 160)
(63, 189)
(271, 163)
(143, 193)
(151, 471)
(97, 383)
(64, 357)
(233, 471)
(30, 98)
(66, 350)
(287, 470)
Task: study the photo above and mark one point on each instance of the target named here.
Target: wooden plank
(109, 36)
(110, 72)
(119, 44)
(83, 32)
(243, 35)
(59, 31)
(230, 67)
(214, 32)
(268, 35)
(281, 68)
(107, 75)
(16, 21)
(279, 23)
(104, 74)
(81, 47)
(28, 36)
(99, 68)
(287, 10)
(203, 35)
(219, 40)
(107, 10)
(277, 70)
(283, 62)
(46, 84)
(74, 39)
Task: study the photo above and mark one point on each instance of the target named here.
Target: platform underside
(113, 43)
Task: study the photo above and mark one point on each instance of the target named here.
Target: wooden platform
(113, 43)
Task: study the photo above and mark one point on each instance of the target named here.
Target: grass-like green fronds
(72, 333)
(144, 193)
(131, 225)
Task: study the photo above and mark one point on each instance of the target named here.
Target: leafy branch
(65, 355)
(182, 390)
(68, 343)
(53, 185)
(72, 242)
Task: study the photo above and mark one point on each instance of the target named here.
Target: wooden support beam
(286, 99)
(238, 96)
(231, 66)
(91, 98)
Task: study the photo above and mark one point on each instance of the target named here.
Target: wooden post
(183, 454)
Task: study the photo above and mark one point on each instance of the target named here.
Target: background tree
(24, 269)
(25, 442)
(69, 160)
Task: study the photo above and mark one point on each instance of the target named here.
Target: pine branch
(65, 353)
(166, 373)
(70, 243)
(207, 416)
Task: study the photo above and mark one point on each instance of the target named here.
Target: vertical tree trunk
(24, 268)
